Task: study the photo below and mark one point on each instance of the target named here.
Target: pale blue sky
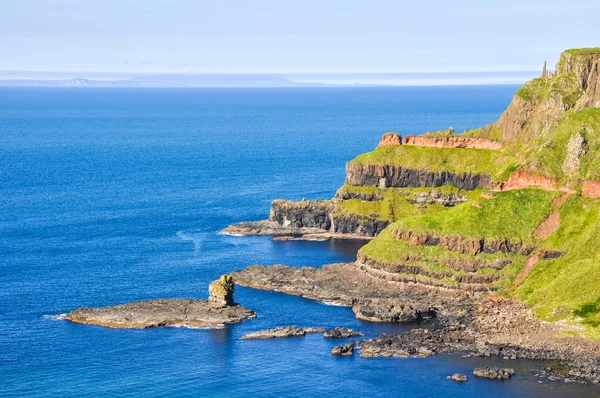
(290, 36)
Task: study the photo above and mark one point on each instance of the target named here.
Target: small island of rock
(218, 310)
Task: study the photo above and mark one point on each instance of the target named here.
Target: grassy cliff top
(584, 51)
(455, 160)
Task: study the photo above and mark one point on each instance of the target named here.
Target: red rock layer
(591, 189)
(390, 139)
(453, 142)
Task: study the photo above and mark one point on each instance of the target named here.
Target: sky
(291, 36)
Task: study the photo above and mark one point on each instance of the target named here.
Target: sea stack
(221, 290)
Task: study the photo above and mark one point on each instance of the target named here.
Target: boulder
(343, 350)
(458, 377)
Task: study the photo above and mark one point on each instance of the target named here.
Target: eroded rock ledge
(218, 310)
(464, 322)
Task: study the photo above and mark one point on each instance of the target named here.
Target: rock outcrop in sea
(215, 312)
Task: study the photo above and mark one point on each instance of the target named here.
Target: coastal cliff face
(385, 176)
(305, 214)
(511, 207)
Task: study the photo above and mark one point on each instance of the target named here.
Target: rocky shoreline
(456, 321)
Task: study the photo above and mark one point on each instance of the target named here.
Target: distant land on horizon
(54, 79)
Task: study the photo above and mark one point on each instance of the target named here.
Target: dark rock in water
(218, 310)
(345, 349)
(458, 377)
(490, 372)
(276, 333)
(417, 343)
(338, 333)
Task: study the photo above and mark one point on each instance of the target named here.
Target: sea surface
(114, 195)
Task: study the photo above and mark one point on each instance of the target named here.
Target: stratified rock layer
(386, 175)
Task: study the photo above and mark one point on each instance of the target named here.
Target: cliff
(511, 207)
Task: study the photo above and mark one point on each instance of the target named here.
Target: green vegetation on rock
(512, 215)
(571, 150)
(455, 160)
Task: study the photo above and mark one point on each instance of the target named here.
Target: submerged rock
(276, 333)
(218, 310)
(491, 372)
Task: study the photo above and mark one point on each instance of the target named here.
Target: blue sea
(114, 195)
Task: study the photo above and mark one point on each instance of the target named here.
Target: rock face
(358, 225)
(344, 349)
(385, 176)
(341, 333)
(305, 214)
(390, 139)
(218, 310)
(276, 333)
(221, 290)
(453, 142)
(161, 312)
(494, 373)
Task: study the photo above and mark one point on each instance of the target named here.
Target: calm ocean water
(114, 195)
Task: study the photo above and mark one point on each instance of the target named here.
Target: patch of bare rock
(218, 310)
(276, 333)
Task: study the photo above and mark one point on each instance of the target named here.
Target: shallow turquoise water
(114, 195)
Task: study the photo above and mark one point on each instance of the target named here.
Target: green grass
(455, 160)
(569, 287)
(584, 51)
(392, 203)
(512, 215)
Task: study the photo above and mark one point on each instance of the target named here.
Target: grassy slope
(456, 160)
(393, 204)
(510, 215)
(569, 286)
